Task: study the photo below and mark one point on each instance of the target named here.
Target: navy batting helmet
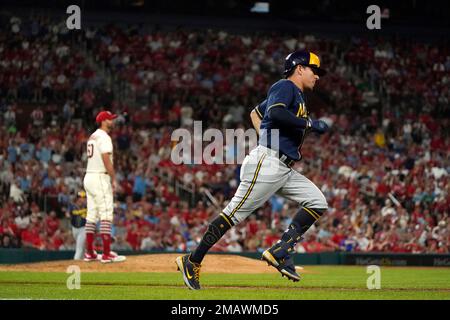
(304, 58)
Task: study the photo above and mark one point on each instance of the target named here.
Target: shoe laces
(285, 259)
(196, 268)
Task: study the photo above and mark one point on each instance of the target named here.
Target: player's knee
(235, 218)
(317, 207)
(91, 216)
(90, 221)
(319, 211)
(106, 216)
(319, 203)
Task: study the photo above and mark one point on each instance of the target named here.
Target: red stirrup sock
(90, 232)
(105, 231)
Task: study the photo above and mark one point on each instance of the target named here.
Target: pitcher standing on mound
(99, 183)
(267, 170)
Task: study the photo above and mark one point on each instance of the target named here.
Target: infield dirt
(152, 263)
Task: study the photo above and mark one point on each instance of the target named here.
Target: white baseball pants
(264, 174)
(99, 196)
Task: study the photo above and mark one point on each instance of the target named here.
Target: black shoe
(190, 271)
(278, 257)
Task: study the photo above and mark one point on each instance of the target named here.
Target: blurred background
(384, 165)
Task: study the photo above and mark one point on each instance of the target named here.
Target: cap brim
(112, 117)
(319, 71)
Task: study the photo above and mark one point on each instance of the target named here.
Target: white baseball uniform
(97, 181)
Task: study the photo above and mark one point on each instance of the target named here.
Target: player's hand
(114, 186)
(319, 126)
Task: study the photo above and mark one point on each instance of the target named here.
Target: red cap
(105, 115)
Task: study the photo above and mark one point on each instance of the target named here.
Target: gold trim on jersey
(274, 105)
(259, 113)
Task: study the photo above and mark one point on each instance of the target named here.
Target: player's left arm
(106, 157)
(257, 115)
(106, 150)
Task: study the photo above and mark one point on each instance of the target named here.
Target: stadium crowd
(383, 167)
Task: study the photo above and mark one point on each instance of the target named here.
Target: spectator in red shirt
(338, 238)
(52, 223)
(133, 236)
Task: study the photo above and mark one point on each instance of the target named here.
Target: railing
(187, 191)
(182, 190)
(211, 198)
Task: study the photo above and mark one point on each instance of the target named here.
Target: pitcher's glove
(318, 126)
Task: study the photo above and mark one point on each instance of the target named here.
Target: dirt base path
(152, 263)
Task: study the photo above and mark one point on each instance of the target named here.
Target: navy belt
(286, 160)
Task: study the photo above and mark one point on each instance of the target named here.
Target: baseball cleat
(89, 257)
(190, 271)
(112, 257)
(278, 256)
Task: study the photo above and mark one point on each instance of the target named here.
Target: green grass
(324, 282)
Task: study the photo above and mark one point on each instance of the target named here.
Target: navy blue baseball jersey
(77, 215)
(284, 94)
(260, 109)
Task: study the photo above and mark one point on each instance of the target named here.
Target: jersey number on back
(90, 150)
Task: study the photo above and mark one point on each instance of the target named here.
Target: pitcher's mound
(213, 263)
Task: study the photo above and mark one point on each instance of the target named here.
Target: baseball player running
(267, 170)
(99, 183)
